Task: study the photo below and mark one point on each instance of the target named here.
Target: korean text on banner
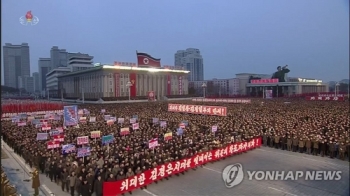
(168, 136)
(92, 119)
(165, 170)
(124, 131)
(107, 139)
(198, 109)
(163, 124)
(54, 132)
(153, 143)
(95, 134)
(135, 126)
(84, 152)
(110, 122)
(58, 138)
(120, 120)
(41, 136)
(68, 148)
(70, 115)
(53, 144)
(82, 140)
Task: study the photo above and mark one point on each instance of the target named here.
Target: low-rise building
(113, 80)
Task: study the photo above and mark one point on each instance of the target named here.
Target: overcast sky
(234, 36)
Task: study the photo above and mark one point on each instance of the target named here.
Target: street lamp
(336, 90)
(204, 85)
(129, 85)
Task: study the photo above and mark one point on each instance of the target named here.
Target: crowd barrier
(175, 167)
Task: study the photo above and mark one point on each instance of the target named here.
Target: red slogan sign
(222, 100)
(198, 109)
(325, 98)
(330, 95)
(167, 169)
(264, 81)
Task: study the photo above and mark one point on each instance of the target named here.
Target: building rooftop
(113, 67)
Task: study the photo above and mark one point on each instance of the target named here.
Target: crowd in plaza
(317, 128)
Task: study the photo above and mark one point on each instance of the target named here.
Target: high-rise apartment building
(36, 79)
(44, 68)
(59, 57)
(28, 83)
(16, 64)
(191, 60)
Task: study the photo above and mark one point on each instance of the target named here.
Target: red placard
(264, 81)
(165, 170)
(151, 95)
(132, 77)
(320, 98)
(198, 109)
(53, 144)
(117, 84)
(222, 100)
(180, 85)
(58, 138)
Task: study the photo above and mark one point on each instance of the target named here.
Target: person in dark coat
(98, 186)
(78, 184)
(64, 180)
(52, 171)
(85, 188)
(322, 148)
(331, 149)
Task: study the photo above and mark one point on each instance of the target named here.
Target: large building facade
(52, 81)
(36, 77)
(215, 87)
(16, 64)
(79, 61)
(59, 57)
(44, 68)
(111, 81)
(292, 85)
(192, 60)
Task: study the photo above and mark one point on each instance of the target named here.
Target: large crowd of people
(317, 128)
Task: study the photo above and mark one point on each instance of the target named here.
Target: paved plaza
(207, 181)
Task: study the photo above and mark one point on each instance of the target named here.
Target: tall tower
(192, 60)
(16, 64)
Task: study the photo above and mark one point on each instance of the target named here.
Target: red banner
(117, 84)
(330, 95)
(325, 98)
(198, 109)
(169, 85)
(222, 100)
(53, 144)
(147, 60)
(264, 81)
(180, 85)
(151, 95)
(18, 106)
(132, 77)
(167, 169)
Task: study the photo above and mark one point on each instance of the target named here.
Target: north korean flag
(146, 60)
